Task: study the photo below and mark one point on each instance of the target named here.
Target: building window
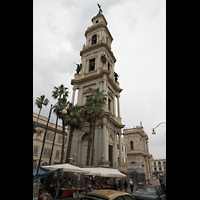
(118, 146)
(122, 149)
(159, 163)
(92, 65)
(47, 152)
(57, 154)
(85, 136)
(131, 144)
(35, 150)
(154, 163)
(155, 169)
(94, 39)
(125, 149)
(108, 66)
(59, 139)
(109, 103)
(50, 136)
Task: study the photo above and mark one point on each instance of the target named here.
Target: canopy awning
(105, 172)
(41, 173)
(67, 168)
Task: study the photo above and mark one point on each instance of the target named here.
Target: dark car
(149, 193)
(163, 185)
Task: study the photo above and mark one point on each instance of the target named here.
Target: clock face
(103, 59)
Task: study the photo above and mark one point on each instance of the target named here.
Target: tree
(93, 111)
(39, 102)
(57, 109)
(74, 119)
(34, 128)
(58, 93)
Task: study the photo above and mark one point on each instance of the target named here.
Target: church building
(97, 70)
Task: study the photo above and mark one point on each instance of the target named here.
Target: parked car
(163, 185)
(149, 193)
(107, 195)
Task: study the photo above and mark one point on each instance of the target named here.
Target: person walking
(125, 185)
(131, 184)
(57, 189)
(120, 185)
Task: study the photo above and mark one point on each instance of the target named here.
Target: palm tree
(34, 128)
(93, 111)
(57, 93)
(73, 119)
(57, 109)
(39, 102)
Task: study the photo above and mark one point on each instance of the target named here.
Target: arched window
(131, 144)
(85, 136)
(94, 39)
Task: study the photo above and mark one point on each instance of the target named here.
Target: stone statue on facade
(116, 76)
(78, 69)
(100, 10)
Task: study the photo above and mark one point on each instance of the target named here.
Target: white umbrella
(105, 172)
(67, 168)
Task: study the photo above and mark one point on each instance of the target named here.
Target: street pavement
(153, 181)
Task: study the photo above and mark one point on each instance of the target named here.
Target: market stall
(104, 172)
(70, 180)
(102, 178)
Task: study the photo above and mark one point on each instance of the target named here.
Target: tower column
(73, 95)
(80, 94)
(114, 105)
(105, 143)
(118, 105)
(120, 149)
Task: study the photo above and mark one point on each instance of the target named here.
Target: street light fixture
(153, 132)
(64, 111)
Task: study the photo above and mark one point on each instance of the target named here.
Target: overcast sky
(138, 28)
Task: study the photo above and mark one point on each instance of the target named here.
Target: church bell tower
(97, 70)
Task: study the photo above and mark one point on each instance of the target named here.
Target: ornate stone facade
(137, 148)
(96, 73)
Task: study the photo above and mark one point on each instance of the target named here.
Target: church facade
(97, 70)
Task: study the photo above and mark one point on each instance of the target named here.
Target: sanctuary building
(97, 70)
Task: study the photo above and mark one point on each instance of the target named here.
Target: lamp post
(153, 132)
(44, 139)
(64, 111)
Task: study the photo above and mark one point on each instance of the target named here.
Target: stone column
(114, 105)
(118, 105)
(73, 95)
(147, 146)
(80, 94)
(105, 143)
(120, 149)
(115, 150)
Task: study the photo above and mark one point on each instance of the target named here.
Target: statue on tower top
(100, 11)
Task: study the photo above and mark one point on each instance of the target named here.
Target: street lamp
(153, 132)
(39, 136)
(64, 111)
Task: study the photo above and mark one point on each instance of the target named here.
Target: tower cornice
(96, 26)
(97, 45)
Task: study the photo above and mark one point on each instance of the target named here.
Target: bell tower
(97, 70)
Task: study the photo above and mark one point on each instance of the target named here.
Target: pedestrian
(131, 184)
(57, 187)
(125, 185)
(115, 185)
(148, 182)
(120, 185)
